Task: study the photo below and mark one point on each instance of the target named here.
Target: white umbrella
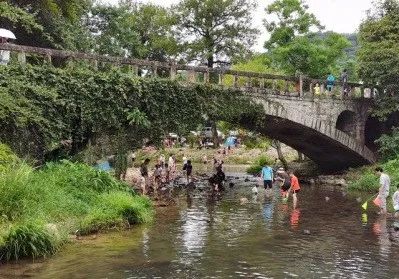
(4, 33)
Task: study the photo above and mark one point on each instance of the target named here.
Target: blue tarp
(104, 166)
(230, 141)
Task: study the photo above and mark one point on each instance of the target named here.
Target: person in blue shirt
(330, 82)
(267, 176)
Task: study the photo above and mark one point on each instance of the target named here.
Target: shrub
(27, 241)
(7, 157)
(257, 167)
(389, 145)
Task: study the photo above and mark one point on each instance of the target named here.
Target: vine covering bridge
(329, 129)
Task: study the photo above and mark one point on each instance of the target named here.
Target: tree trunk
(300, 157)
(277, 145)
(215, 135)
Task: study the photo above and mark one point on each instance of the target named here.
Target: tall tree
(291, 18)
(295, 44)
(378, 56)
(134, 30)
(215, 31)
(61, 22)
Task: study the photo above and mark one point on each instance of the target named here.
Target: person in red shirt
(295, 188)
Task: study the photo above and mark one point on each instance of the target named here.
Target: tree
(378, 56)
(293, 19)
(216, 31)
(50, 23)
(294, 46)
(134, 30)
(311, 55)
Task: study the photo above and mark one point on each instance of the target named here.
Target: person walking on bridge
(330, 82)
(344, 81)
(383, 192)
(267, 177)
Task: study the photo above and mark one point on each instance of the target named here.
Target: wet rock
(231, 184)
(243, 200)
(237, 177)
(331, 180)
(312, 181)
(359, 199)
(307, 232)
(246, 179)
(327, 199)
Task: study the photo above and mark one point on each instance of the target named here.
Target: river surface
(201, 237)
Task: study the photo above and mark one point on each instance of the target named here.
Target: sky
(342, 16)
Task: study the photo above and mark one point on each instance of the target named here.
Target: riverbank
(41, 209)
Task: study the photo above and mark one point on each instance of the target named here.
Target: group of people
(330, 83)
(287, 182)
(384, 192)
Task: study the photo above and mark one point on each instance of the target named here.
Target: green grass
(38, 209)
(256, 168)
(365, 179)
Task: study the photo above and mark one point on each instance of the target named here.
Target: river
(265, 238)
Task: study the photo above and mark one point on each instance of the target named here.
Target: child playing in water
(295, 188)
(395, 200)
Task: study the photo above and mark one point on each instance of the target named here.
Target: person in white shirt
(4, 54)
(383, 192)
(395, 201)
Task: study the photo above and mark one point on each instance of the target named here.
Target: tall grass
(39, 209)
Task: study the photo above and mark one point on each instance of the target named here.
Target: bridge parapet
(295, 86)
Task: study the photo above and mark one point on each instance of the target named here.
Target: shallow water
(203, 238)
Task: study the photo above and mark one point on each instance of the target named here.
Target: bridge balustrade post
(274, 86)
(173, 72)
(322, 89)
(262, 83)
(206, 77)
(235, 81)
(47, 58)
(155, 71)
(300, 86)
(135, 69)
(22, 58)
(191, 76)
(221, 79)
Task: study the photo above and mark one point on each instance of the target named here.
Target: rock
(327, 199)
(237, 177)
(231, 184)
(359, 199)
(307, 232)
(243, 200)
(246, 179)
(331, 180)
(312, 181)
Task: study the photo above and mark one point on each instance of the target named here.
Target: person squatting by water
(218, 179)
(267, 177)
(285, 182)
(383, 192)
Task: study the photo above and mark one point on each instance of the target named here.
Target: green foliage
(256, 168)
(293, 19)
(214, 30)
(312, 55)
(378, 56)
(13, 17)
(7, 157)
(42, 207)
(27, 241)
(365, 179)
(42, 106)
(389, 145)
(138, 30)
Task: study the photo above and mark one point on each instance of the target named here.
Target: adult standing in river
(144, 175)
(383, 191)
(267, 177)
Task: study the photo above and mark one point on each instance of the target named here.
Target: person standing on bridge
(330, 82)
(383, 192)
(267, 177)
(344, 81)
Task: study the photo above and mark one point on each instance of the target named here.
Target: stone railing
(294, 86)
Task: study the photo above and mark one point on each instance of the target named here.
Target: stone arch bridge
(330, 129)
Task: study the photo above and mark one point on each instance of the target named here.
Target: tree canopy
(215, 32)
(378, 56)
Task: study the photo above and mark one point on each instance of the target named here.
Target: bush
(259, 164)
(7, 157)
(72, 195)
(389, 145)
(365, 179)
(27, 241)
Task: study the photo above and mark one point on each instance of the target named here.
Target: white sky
(342, 16)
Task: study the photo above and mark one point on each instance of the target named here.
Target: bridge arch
(346, 122)
(319, 139)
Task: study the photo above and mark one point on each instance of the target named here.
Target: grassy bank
(39, 209)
